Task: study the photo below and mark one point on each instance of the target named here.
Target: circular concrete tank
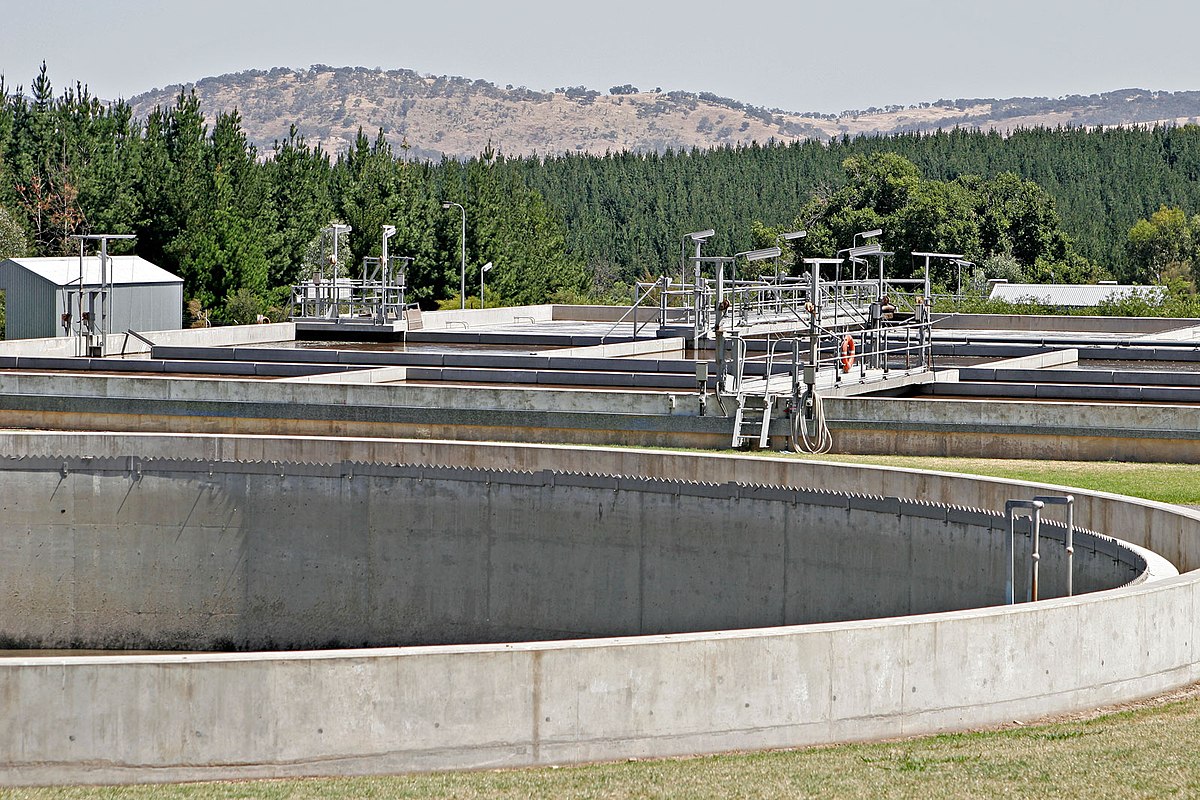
(755, 613)
(165, 554)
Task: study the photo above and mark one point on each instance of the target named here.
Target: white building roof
(1068, 294)
(122, 270)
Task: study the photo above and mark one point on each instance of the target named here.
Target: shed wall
(146, 307)
(30, 304)
(142, 307)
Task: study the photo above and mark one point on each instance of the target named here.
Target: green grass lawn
(1167, 483)
(1150, 752)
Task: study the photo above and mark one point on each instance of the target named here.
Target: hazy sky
(799, 56)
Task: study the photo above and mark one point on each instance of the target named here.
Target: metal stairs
(753, 419)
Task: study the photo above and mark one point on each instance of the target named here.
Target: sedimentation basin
(740, 597)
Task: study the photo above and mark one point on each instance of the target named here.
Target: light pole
(787, 237)
(385, 272)
(951, 257)
(867, 235)
(336, 229)
(754, 255)
(698, 238)
(483, 271)
(462, 285)
(857, 251)
(959, 264)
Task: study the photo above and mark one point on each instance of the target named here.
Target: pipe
(1069, 502)
(1034, 508)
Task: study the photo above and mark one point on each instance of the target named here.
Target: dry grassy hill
(457, 117)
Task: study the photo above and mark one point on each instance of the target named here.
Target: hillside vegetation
(427, 117)
(242, 223)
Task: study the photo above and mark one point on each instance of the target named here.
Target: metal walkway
(836, 330)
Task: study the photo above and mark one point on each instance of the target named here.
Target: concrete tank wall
(134, 554)
(154, 718)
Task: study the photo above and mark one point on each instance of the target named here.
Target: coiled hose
(822, 441)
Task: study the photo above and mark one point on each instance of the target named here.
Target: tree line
(240, 225)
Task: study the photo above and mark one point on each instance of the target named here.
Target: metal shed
(41, 295)
(1073, 295)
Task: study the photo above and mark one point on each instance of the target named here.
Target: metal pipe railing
(1069, 541)
(1033, 509)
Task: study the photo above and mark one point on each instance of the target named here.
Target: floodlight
(950, 256)
(787, 237)
(865, 250)
(869, 234)
(759, 255)
(700, 236)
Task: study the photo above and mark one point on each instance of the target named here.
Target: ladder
(753, 411)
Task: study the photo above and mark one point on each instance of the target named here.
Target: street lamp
(754, 255)
(462, 285)
(867, 234)
(951, 257)
(699, 238)
(959, 264)
(759, 255)
(335, 229)
(857, 250)
(483, 271)
(787, 237)
(385, 271)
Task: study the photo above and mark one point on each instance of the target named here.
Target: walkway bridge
(780, 343)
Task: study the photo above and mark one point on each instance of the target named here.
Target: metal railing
(899, 346)
(349, 298)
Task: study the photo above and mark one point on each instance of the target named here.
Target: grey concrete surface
(950, 426)
(167, 554)
(1051, 323)
(648, 400)
(153, 718)
(1078, 430)
(124, 344)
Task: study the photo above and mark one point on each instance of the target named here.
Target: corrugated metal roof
(1067, 294)
(122, 269)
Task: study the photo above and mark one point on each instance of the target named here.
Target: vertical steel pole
(1035, 556)
(103, 296)
(462, 291)
(1071, 547)
(1012, 556)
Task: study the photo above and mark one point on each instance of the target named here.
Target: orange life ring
(847, 353)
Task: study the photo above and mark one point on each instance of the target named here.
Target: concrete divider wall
(220, 393)
(1061, 323)
(1016, 429)
(1010, 429)
(203, 555)
(122, 343)
(149, 718)
(460, 319)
